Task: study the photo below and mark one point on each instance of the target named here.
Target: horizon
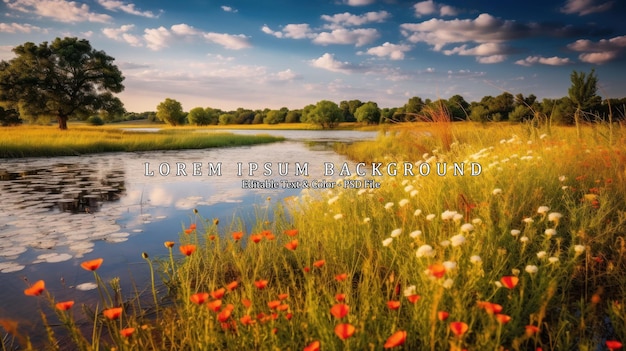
(236, 54)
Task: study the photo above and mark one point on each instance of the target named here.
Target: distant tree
(368, 113)
(293, 116)
(413, 107)
(520, 113)
(171, 112)
(388, 113)
(583, 94)
(227, 118)
(244, 116)
(479, 113)
(198, 116)
(306, 113)
(9, 117)
(275, 117)
(67, 78)
(458, 107)
(326, 113)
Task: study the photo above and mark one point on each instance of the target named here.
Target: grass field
(528, 255)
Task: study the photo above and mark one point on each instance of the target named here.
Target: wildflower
(447, 215)
(92, 265)
(515, 232)
(256, 238)
(113, 313)
(403, 202)
(387, 242)
(450, 265)
(306, 269)
(549, 232)
(344, 330)
(509, 281)
(283, 296)
(457, 218)
(333, 199)
(496, 191)
(232, 285)
(613, 345)
(579, 249)
(425, 251)
(396, 339)
(218, 294)
(417, 212)
(396, 232)
(237, 236)
(260, 284)
(291, 232)
(541, 254)
(415, 234)
(127, 332)
(388, 205)
(411, 290)
(430, 217)
(528, 220)
(64, 306)
(341, 277)
(187, 250)
(524, 239)
(247, 320)
(247, 303)
(393, 304)
(199, 298)
(413, 298)
(339, 310)
(169, 244)
(458, 328)
(477, 221)
(503, 318)
(515, 272)
(436, 270)
(224, 315)
(531, 329)
(35, 289)
(457, 240)
(292, 245)
(319, 263)
(338, 216)
(490, 307)
(467, 227)
(314, 346)
(554, 217)
(188, 231)
(562, 178)
(447, 284)
(553, 259)
(340, 297)
(366, 220)
(215, 305)
(273, 304)
(475, 259)
(192, 226)
(543, 210)
(442, 315)
(531, 269)
(445, 243)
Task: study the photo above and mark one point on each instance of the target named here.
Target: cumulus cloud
(358, 37)
(359, 2)
(58, 10)
(491, 59)
(550, 61)
(286, 75)
(19, 28)
(293, 31)
(229, 9)
(121, 34)
(599, 52)
(429, 7)
(586, 7)
(348, 19)
(329, 63)
(159, 38)
(484, 49)
(393, 51)
(115, 5)
(229, 41)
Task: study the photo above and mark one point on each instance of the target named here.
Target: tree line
(68, 79)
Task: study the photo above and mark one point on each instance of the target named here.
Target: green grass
(27, 141)
(547, 213)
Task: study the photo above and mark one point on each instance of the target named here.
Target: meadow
(528, 255)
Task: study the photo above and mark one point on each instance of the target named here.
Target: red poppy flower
(437, 270)
(458, 328)
(283, 296)
(225, 314)
(490, 307)
(396, 339)
(35, 289)
(192, 226)
(503, 318)
(92, 265)
(413, 298)
(127, 332)
(188, 231)
(340, 297)
(247, 303)
(169, 244)
(288, 316)
(218, 294)
(187, 250)
(292, 245)
(314, 346)
(273, 304)
(319, 263)
(341, 277)
(199, 298)
(291, 232)
(613, 345)
(232, 285)
(443, 315)
(64, 306)
(344, 330)
(282, 307)
(113, 313)
(393, 304)
(531, 329)
(247, 320)
(260, 284)
(237, 235)
(215, 305)
(256, 238)
(509, 281)
(339, 310)
(306, 269)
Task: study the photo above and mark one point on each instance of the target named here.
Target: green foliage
(95, 121)
(326, 113)
(199, 116)
(67, 78)
(226, 118)
(275, 117)
(368, 113)
(9, 117)
(293, 116)
(583, 94)
(171, 112)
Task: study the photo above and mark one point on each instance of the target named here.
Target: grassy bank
(528, 254)
(27, 141)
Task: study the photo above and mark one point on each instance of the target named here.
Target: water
(58, 212)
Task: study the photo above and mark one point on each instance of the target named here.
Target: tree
(170, 111)
(67, 78)
(293, 116)
(326, 113)
(198, 116)
(368, 112)
(9, 117)
(583, 94)
(275, 117)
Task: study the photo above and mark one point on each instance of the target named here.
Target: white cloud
(586, 7)
(601, 51)
(229, 9)
(359, 2)
(121, 34)
(286, 75)
(159, 38)
(6, 52)
(115, 5)
(550, 61)
(184, 29)
(394, 51)
(229, 41)
(328, 62)
(491, 59)
(59, 10)
(358, 37)
(19, 28)
(484, 49)
(348, 19)
(297, 31)
(429, 7)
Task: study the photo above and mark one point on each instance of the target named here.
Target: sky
(228, 54)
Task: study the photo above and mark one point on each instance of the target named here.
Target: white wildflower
(430, 217)
(417, 212)
(562, 178)
(447, 284)
(338, 216)
(387, 242)
(497, 191)
(528, 220)
(531, 269)
(477, 221)
(414, 193)
(409, 291)
(457, 240)
(425, 251)
(403, 202)
(415, 234)
(445, 243)
(366, 220)
(467, 227)
(475, 259)
(553, 259)
(515, 271)
(447, 214)
(543, 210)
(579, 249)
(388, 205)
(333, 199)
(457, 217)
(554, 217)
(409, 188)
(524, 239)
(450, 265)
(515, 232)
(549, 232)
(541, 254)
(396, 232)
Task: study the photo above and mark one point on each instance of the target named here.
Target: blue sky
(273, 53)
